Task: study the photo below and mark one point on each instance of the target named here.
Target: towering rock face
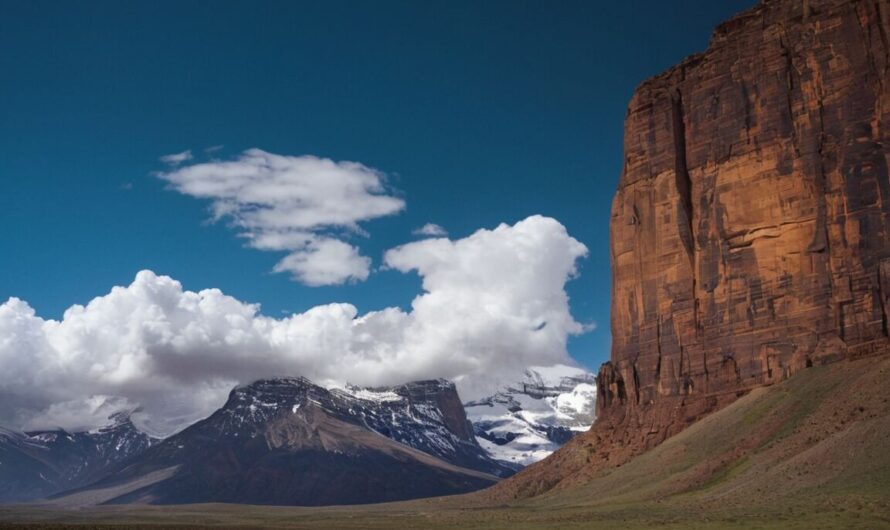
(750, 234)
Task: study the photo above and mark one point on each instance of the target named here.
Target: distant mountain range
(38, 464)
(525, 422)
(289, 441)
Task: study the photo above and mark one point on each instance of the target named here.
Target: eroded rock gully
(750, 235)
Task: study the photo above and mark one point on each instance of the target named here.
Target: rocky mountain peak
(426, 415)
(289, 441)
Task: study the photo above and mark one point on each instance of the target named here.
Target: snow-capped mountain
(425, 415)
(524, 422)
(37, 464)
(288, 441)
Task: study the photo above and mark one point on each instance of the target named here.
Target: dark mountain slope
(290, 442)
(37, 464)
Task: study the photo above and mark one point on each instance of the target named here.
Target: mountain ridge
(40, 463)
(287, 441)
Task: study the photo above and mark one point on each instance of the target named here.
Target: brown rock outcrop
(750, 233)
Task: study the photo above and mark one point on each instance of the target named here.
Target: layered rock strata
(750, 235)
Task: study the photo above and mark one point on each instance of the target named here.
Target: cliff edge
(750, 236)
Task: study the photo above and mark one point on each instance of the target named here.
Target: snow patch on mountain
(576, 405)
(526, 421)
(368, 394)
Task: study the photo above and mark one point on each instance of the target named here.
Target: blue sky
(478, 112)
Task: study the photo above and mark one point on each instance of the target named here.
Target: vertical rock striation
(750, 235)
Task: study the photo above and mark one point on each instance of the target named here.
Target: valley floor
(812, 452)
(842, 512)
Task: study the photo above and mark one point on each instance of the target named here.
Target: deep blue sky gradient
(480, 113)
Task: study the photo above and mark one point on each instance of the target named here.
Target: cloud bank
(293, 204)
(492, 302)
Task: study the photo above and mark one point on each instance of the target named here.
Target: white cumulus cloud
(492, 304)
(430, 230)
(325, 261)
(292, 204)
(177, 158)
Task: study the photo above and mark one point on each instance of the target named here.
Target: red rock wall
(750, 234)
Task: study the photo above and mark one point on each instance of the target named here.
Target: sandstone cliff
(750, 234)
